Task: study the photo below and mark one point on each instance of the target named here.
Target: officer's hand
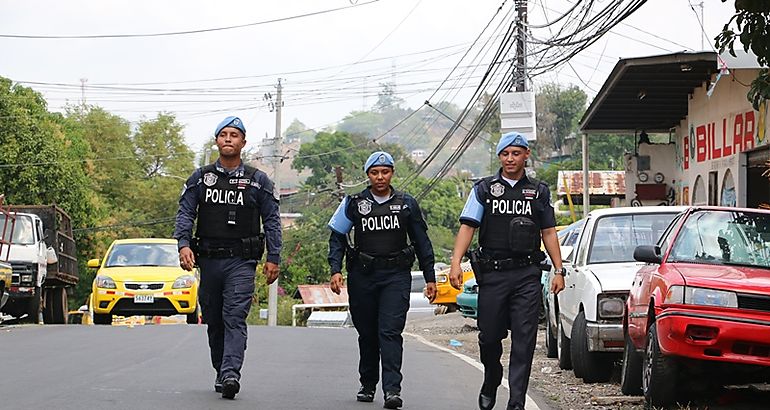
(456, 277)
(271, 271)
(336, 283)
(557, 284)
(186, 258)
(430, 291)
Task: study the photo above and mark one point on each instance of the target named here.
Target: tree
(752, 29)
(298, 130)
(558, 112)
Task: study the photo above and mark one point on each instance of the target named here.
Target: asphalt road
(143, 367)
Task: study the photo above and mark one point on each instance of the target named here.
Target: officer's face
(379, 178)
(230, 142)
(513, 159)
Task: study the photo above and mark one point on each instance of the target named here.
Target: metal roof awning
(648, 93)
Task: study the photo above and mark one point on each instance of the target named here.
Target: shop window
(713, 187)
(699, 192)
(727, 197)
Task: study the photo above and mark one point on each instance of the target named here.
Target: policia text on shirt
(232, 203)
(379, 279)
(512, 212)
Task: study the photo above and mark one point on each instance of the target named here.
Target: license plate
(144, 299)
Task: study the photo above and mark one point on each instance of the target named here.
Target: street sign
(517, 113)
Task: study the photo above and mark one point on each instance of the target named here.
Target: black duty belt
(218, 253)
(505, 264)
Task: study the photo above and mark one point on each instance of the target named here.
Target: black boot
(393, 400)
(487, 400)
(365, 394)
(230, 387)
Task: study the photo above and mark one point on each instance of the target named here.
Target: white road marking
(529, 403)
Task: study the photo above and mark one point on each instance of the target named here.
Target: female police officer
(512, 211)
(229, 199)
(379, 264)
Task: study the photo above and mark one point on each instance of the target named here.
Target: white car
(418, 303)
(587, 315)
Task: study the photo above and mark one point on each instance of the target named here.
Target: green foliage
(298, 130)
(752, 29)
(558, 113)
(283, 309)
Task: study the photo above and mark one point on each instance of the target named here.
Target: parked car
(567, 239)
(700, 308)
(143, 277)
(446, 295)
(418, 303)
(588, 313)
(468, 300)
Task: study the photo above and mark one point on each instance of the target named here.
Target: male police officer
(512, 211)
(228, 198)
(379, 265)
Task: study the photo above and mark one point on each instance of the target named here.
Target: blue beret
(512, 139)
(231, 121)
(379, 158)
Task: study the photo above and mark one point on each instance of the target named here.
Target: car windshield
(616, 236)
(23, 233)
(143, 254)
(724, 238)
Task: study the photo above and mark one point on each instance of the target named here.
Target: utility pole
(521, 46)
(586, 196)
(272, 296)
(703, 25)
(83, 91)
(338, 177)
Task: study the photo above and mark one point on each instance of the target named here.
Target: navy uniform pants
(509, 300)
(379, 301)
(225, 294)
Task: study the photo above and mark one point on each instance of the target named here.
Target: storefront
(710, 146)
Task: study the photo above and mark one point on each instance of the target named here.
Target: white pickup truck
(587, 315)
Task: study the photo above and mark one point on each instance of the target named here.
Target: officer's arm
(418, 233)
(547, 226)
(188, 211)
(271, 218)
(470, 220)
(339, 224)
(337, 245)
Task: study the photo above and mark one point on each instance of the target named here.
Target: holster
(474, 257)
(253, 247)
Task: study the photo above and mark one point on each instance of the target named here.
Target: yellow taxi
(446, 295)
(143, 277)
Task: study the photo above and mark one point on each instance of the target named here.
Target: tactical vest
(504, 205)
(379, 229)
(226, 209)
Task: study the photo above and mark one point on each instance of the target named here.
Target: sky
(331, 61)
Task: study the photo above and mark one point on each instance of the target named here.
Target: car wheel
(58, 303)
(631, 373)
(551, 345)
(192, 318)
(102, 319)
(592, 367)
(659, 373)
(34, 306)
(562, 349)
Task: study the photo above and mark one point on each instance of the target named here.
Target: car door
(639, 295)
(568, 298)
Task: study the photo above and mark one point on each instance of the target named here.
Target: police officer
(512, 212)
(229, 199)
(379, 279)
